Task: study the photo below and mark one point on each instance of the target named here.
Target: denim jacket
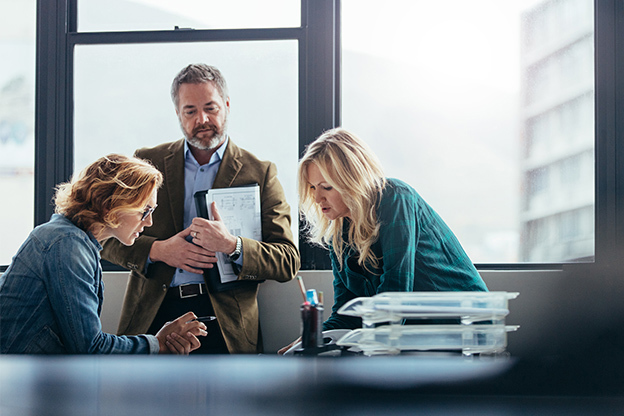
(51, 297)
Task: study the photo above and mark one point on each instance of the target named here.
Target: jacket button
(164, 288)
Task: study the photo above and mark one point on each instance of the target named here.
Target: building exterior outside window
(558, 132)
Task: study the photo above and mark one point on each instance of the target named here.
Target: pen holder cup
(311, 326)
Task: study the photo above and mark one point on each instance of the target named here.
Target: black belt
(187, 291)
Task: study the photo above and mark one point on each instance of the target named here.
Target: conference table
(298, 385)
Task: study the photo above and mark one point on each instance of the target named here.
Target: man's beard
(212, 144)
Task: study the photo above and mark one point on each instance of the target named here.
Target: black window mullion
(184, 35)
(319, 92)
(605, 128)
(53, 142)
(611, 83)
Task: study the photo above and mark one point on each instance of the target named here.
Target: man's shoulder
(247, 157)
(160, 150)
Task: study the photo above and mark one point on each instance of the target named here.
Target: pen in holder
(311, 323)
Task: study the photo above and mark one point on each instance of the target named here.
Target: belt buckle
(183, 296)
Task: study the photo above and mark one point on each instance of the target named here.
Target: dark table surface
(274, 385)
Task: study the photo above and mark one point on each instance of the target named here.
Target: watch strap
(237, 251)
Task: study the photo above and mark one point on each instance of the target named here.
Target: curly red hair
(111, 185)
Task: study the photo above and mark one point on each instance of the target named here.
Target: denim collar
(63, 219)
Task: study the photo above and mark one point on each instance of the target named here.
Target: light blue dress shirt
(197, 178)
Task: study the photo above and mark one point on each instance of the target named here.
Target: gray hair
(198, 74)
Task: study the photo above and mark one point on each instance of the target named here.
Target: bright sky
(477, 39)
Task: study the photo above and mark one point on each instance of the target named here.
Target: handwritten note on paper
(239, 208)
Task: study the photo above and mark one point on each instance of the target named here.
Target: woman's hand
(177, 344)
(180, 336)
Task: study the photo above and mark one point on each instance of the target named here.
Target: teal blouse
(418, 252)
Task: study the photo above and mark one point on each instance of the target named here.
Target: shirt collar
(216, 156)
(62, 218)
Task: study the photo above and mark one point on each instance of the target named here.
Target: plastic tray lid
(394, 339)
(395, 306)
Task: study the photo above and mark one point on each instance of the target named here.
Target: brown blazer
(275, 257)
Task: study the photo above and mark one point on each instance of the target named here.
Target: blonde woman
(381, 235)
(51, 294)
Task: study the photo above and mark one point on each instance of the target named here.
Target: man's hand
(179, 253)
(171, 341)
(213, 235)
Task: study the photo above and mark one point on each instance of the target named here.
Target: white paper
(239, 208)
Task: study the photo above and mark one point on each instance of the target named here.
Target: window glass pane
(122, 99)
(17, 98)
(128, 15)
(486, 107)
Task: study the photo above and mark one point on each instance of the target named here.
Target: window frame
(318, 85)
(319, 106)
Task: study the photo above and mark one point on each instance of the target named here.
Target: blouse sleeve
(341, 296)
(398, 239)
(76, 294)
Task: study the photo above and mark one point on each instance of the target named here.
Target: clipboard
(213, 276)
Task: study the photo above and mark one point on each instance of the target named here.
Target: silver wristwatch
(237, 251)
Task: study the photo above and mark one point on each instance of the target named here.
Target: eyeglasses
(147, 212)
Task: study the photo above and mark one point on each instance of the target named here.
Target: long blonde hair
(111, 185)
(350, 167)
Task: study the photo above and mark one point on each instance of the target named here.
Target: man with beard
(173, 267)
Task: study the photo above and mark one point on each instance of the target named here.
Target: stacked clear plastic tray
(469, 307)
(394, 339)
(480, 324)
